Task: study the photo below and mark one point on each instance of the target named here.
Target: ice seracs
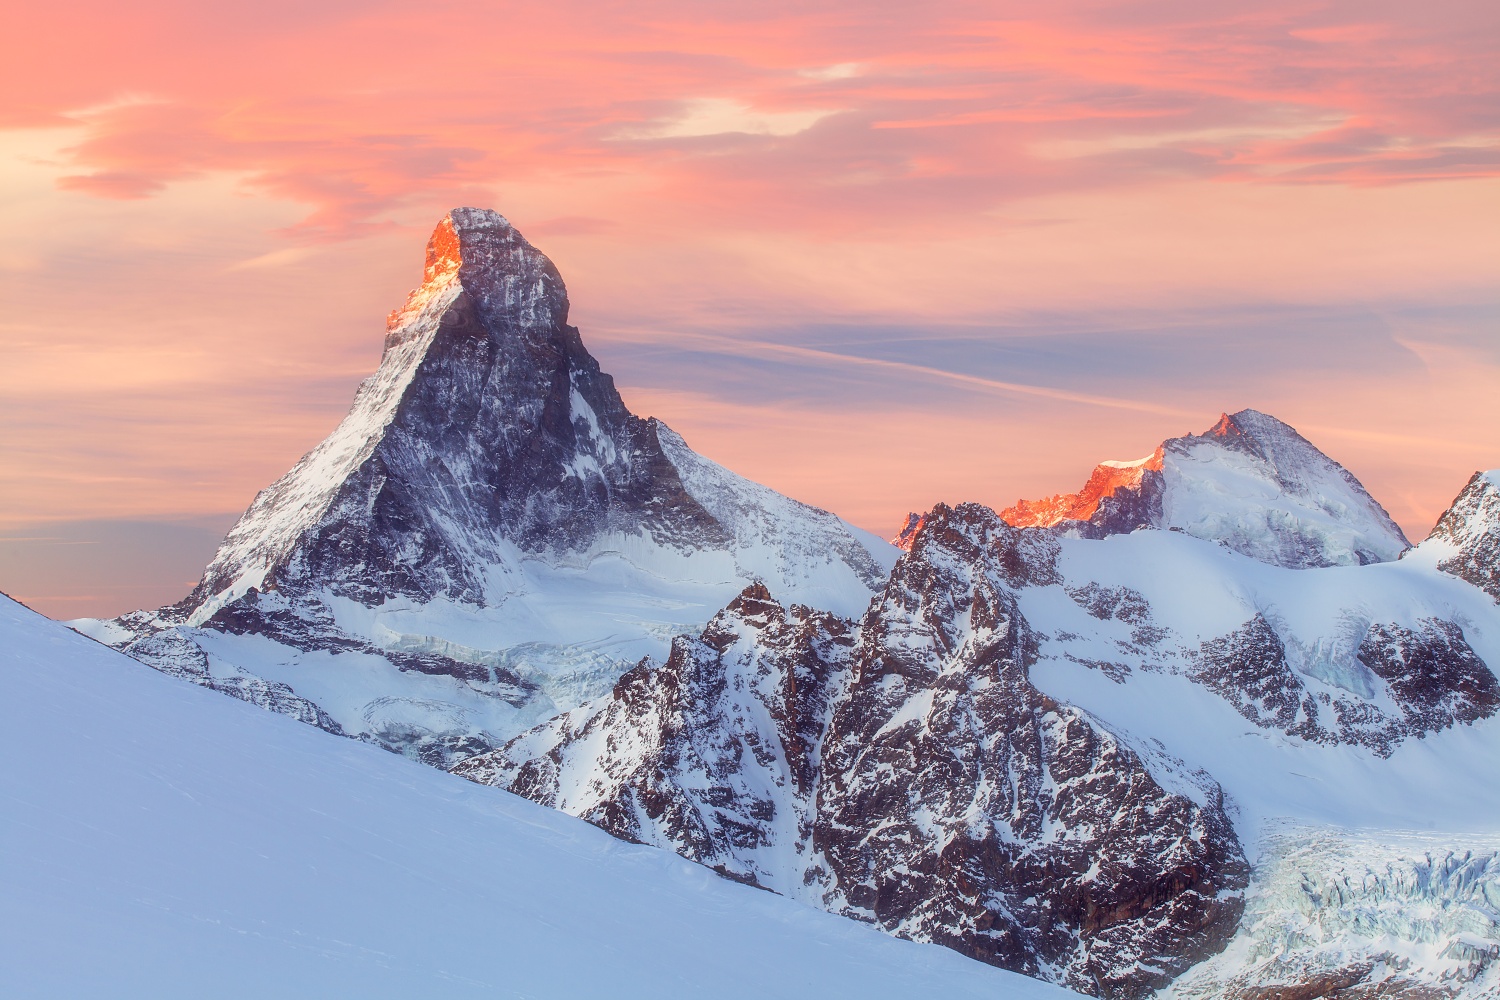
(1250, 482)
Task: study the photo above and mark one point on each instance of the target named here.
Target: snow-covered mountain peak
(1250, 482)
(489, 436)
(1232, 430)
(489, 511)
(1466, 539)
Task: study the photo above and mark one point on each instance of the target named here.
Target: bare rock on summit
(490, 513)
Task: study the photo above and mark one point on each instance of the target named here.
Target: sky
(874, 255)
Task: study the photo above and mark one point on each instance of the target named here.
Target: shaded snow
(161, 841)
(1198, 591)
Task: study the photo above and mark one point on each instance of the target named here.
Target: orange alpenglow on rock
(1250, 482)
(908, 532)
(1107, 479)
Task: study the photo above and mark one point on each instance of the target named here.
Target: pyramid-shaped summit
(488, 434)
(490, 536)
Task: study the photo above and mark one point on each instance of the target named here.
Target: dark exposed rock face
(907, 772)
(714, 754)
(1468, 534)
(175, 654)
(959, 804)
(1250, 669)
(488, 420)
(1433, 673)
(1434, 677)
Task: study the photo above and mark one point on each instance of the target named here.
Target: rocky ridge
(1466, 539)
(905, 771)
(906, 768)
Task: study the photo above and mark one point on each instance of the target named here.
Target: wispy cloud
(370, 107)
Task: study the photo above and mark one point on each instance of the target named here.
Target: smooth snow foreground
(159, 840)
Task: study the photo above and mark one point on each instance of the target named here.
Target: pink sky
(873, 255)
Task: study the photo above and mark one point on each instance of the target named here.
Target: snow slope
(160, 841)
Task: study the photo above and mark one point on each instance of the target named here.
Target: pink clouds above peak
(834, 244)
(819, 112)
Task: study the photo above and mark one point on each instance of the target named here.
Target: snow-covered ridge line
(1250, 482)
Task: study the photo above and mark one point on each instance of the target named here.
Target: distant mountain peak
(1466, 539)
(908, 533)
(1229, 426)
(1250, 481)
(1108, 480)
(491, 511)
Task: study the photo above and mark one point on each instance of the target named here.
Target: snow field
(163, 841)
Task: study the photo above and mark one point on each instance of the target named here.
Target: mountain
(908, 532)
(164, 842)
(1250, 482)
(1466, 539)
(1066, 755)
(1187, 760)
(905, 770)
(490, 536)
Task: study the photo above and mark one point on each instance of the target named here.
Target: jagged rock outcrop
(1466, 539)
(907, 772)
(1250, 482)
(960, 804)
(1431, 679)
(714, 754)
